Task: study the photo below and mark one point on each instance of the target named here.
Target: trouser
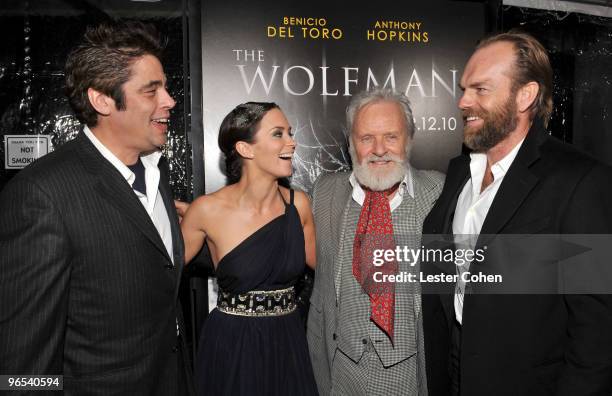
(185, 380)
(454, 360)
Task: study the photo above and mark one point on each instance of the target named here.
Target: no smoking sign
(22, 150)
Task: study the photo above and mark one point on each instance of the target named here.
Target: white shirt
(152, 201)
(472, 208)
(404, 187)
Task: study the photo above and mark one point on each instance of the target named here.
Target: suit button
(175, 349)
(364, 341)
(334, 336)
(168, 266)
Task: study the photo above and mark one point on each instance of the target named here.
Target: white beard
(378, 180)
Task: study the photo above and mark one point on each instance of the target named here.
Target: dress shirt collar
(406, 186)
(478, 166)
(149, 161)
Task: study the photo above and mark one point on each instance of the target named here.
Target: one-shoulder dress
(258, 353)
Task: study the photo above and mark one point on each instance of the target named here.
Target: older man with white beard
(365, 337)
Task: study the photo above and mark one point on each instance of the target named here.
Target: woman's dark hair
(240, 125)
(103, 61)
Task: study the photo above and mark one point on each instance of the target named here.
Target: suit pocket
(315, 315)
(111, 382)
(315, 300)
(98, 375)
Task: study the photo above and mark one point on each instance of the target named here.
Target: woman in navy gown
(260, 236)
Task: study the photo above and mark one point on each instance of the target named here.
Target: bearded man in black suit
(90, 247)
(517, 180)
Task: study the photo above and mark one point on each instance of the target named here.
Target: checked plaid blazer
(336, 319)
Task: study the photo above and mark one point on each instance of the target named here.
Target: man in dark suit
(90, 247)
(516, 180)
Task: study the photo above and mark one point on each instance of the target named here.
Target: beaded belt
(258, 302)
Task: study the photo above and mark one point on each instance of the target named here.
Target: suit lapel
(339, 204)
(516, 185)
(458, 175)
(111, 185)
(177, 238)
(420, 187)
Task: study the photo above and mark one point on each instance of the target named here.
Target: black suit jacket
(527, 344)
(87, 288)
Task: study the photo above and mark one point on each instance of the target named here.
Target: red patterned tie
(375, 231)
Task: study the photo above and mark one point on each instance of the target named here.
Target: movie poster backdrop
(311, 57)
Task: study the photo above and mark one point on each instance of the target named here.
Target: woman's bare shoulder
(301, 198)
(213, 203)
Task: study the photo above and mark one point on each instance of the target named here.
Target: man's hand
(181, 209)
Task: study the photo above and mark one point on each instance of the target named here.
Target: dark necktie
(139, 182)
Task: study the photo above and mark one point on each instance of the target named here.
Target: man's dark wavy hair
(103, 61)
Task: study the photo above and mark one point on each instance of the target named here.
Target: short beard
(497, 125)
(378, 181)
